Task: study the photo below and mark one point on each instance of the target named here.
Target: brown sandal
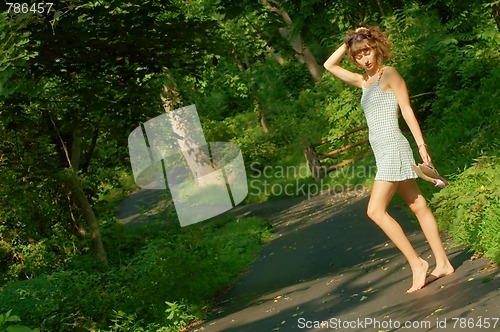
(429, 173)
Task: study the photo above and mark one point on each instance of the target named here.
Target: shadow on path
(329, 263)
(139, 207)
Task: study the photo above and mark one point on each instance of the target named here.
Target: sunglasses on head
(358, 37)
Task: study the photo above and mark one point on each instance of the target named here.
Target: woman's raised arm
(332, 64)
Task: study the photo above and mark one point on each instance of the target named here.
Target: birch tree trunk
(195, 152)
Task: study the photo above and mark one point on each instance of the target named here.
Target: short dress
(393, 154)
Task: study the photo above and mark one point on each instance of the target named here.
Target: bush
(8, 323)
(165, 284)
(469, 207)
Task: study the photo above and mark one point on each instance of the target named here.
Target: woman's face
(367, 59)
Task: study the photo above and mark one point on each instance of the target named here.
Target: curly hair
(368, 38)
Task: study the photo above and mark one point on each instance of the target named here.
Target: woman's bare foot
(419, 274)
(439, 272)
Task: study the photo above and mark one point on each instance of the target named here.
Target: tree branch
(68, 159)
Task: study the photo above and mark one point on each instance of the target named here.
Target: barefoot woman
(384, 94)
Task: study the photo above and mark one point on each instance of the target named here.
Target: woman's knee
(419, 206)
(375, 213)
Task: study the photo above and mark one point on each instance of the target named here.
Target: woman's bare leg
(410, 192)
(381, 195)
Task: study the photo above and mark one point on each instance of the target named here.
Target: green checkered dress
(393, 154)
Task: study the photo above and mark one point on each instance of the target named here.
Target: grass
(160, 278)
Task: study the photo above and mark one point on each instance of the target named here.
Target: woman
(384, 94)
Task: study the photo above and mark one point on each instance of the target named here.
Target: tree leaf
(18, 328)
(13, 318)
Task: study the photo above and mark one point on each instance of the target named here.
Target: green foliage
(8, 323)
(466, 121)
(13, 55)
(469, 207)
(178, 314)
(221, 246)
(98, 68)
(123, 322)
(83, 89)
(164, 285)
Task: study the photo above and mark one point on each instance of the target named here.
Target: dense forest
(76, 77)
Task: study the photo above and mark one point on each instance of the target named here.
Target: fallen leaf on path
(438, 310)
(487, 279)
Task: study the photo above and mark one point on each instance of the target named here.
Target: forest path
(329, 263)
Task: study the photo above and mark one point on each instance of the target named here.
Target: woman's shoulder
(390, 70)
(390, 78)
(391, 73)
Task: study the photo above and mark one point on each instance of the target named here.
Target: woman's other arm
(397, 84)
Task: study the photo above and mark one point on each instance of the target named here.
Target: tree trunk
(303, 53)
(314, 68)
(260, 110)
(262, 116)
(495, 11)
(76, 149)
(90, 151)
(76, 225)
(278, 57)
(75, 189)
(195, 153)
